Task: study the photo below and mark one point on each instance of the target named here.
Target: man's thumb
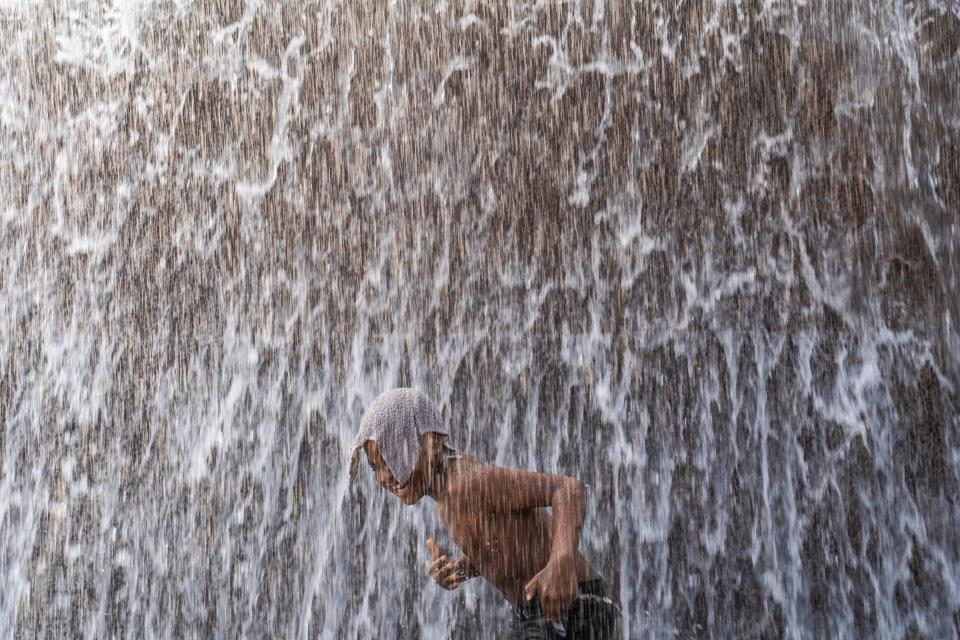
(531, 589)
(434, 548)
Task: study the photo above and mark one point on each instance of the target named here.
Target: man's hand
(442, 570)
(557, 585)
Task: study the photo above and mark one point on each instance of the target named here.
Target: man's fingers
(441, 568)
(434, 548)
(554, 614)
(451, 582)
(551, 607)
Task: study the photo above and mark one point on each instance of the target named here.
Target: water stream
(703, 256)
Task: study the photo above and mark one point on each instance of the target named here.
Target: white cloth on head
(396, 421)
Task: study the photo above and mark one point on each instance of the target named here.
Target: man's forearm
(569, 509)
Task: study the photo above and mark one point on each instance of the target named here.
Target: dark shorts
(592, 616)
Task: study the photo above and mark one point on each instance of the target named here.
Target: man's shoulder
(475, 478)
(468, 475)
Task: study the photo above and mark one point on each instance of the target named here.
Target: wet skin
(499, 519)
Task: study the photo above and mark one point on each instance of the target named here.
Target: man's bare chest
(475, 532)
(493, 539)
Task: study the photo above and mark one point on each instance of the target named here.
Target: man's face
(409, 493)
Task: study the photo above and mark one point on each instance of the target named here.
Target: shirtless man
(498, 517)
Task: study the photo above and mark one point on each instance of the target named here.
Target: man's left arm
(557, 582)
(498, 489)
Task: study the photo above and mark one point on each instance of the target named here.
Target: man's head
(392, 435)
(428, 464)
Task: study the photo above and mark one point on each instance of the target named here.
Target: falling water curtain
(701, 255)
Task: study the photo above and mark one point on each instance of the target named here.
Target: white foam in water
(703, 258)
